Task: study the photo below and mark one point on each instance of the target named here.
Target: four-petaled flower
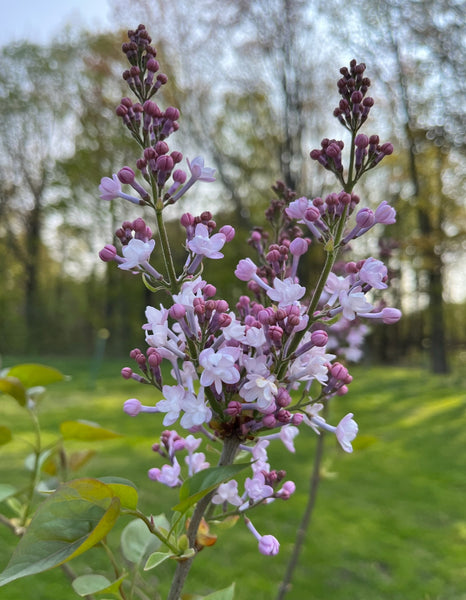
(219, 367)
(199, 172)
(136, 253)
(205, 245)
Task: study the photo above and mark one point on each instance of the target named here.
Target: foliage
(407, 482)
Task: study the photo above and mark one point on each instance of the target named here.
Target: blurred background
(255, 81)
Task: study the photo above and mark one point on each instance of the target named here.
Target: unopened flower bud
(319, 338)
(108, 253)
(132, 407)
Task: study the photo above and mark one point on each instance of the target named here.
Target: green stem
(230, 447)
(166, 251)
(153, 529)
(285, 585)
(35, 470)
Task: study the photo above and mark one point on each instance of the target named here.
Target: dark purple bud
(319, 338)
(108, 253)
(172, 113)
(365, 218)
(361, 141)
(126, 175)
(161, 148)
(164, 163)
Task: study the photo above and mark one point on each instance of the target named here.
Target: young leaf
(72, 520)
(89, 584)
(5, 435)
(86, 431)
(138, 542)
(203, 482)
(6, 490)
(96, 584)
(123, 488)
(225, 594)
(32, 375)
(13, 387)
(155, 559)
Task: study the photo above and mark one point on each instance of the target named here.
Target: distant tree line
(255, 107)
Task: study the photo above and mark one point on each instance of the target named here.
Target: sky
(39, 20)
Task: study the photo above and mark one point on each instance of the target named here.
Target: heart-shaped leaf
(72, 520)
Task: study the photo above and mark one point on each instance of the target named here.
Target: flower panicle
(257, 371)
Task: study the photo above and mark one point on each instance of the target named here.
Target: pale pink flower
(172, 403)
(169, 475)
(234, 331)
(227, 492)
(196, 411)
(190, 290)
(196, 462)
(311, 365)
(311, 413)
(334, 285)
(385, 214)
(259, 389)
(219, 367)
(287, 435)
(201, 243)
(268, 544)
(255, 337)
(136, 253)
(109, 188)
(246, 269)
(353, 303)
(373, 272)
(285, 292)
(256, 487)
(297, 208)
(199, 172)
(346, 431)
(157, 323)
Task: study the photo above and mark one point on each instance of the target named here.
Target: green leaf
(155, 559)
(90, 584)
(13, 387)
(137, 542)
(73, 519)
(123, 488)
(127, 494)
(32, 375)
(96, 584)
(203, 482)
(5, 435)
(225, 594)
(86, 431)
(6, 490)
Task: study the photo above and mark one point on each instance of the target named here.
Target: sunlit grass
(390, 522)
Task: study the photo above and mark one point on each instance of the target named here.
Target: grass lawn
(390, 519)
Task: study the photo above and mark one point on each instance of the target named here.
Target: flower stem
(230, 447)
(285, 585)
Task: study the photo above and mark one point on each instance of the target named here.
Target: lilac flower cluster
(241, 376)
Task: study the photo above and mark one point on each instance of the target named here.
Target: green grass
(390, 519)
